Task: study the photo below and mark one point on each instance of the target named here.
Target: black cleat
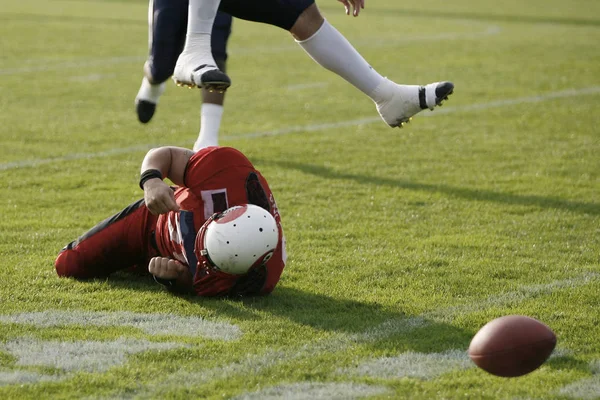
(145, 110)
(442, 91)
(215, 80)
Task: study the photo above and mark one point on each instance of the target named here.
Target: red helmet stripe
(231, 214)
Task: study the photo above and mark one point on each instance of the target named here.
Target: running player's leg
(196, 66)
(211, 112)
(117, 243)
(166, 33)
(219, 38)
(167, 21)
(395, 103)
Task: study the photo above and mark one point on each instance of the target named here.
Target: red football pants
(119, 242)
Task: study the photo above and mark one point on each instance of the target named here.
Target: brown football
(512, 345)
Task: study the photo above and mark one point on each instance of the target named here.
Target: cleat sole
(219, 87)
(185, 84)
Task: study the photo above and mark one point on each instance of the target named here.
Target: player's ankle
(198, 46)
(383, 92)
(149, 91)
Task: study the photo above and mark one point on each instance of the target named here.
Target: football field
(402, 243)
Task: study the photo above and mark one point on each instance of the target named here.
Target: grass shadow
(567, 362)
(325, 313)
(464, 193)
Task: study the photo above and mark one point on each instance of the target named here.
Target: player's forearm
(170, 161)
(158, 159)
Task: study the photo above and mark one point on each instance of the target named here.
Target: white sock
(201, 17)
(330, 49)
(210, 121)
(150, 92)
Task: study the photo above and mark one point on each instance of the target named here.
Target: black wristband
(149, 174)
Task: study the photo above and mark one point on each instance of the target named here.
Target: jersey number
(214, 201)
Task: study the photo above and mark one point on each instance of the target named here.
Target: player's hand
(357, 5)
(166, 268)
(159, 197)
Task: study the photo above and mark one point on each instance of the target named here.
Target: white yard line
(91, 77)
(317, 391)
(45, 66)
(304, 86)
(585, 388)
(378, 41)
(152, 324)
(74, 156)
(593, 90)
(412, 364)
(80, 355)
(75, 64)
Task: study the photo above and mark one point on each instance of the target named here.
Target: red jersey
(216, 178)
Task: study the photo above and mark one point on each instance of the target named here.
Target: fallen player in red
(218, 233)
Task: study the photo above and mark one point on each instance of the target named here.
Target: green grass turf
(486, 207)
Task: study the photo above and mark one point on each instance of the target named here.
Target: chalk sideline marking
(304, 86)
(25, 377)
(316, 391)
(341, 342)
(593, 90)
(91, 77)
(586, 388)
(413, 365)
(77, 64)
(89, 356)
(153, 324)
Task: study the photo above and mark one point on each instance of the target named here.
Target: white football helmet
(237, 239)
